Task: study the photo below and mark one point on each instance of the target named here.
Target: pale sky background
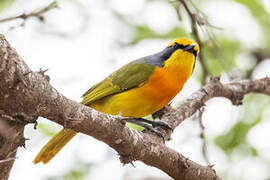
(80, 44)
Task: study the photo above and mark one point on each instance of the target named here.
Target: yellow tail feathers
(54, 146)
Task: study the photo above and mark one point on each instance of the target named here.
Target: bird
(139, 88)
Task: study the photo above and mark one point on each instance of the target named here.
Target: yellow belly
(146, 99)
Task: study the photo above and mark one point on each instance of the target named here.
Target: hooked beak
(190, 47)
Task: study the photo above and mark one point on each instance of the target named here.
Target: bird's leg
(146, 126)
(155, 123)
(158, 114)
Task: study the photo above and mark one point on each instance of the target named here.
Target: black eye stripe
(176, 46)
(159, 58)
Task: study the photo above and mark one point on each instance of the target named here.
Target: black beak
(189, 48)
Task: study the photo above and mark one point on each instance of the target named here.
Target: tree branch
(25, 95)
(11, 137)
(202, 136)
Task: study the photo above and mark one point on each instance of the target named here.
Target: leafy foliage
(5, 3)
(46, 129)
(251, 116)
(220, 56)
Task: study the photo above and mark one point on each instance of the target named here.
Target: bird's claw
(161, 124)
(157, 132)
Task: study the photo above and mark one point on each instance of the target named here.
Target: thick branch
(234, 91)
(11, 137)
(27, 95)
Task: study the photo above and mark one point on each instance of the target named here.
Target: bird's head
(181, 55)
(185, 45)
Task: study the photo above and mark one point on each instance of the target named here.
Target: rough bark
(11, 137)
(25, 95)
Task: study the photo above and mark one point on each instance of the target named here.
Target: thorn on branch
(21, 142)
(42, 72)
(211, 167)
(41, 18)
(132, 164)
(124, 159)
(27, 73)
(237, 99)
(205, 91)
(185, 164)
(35, 125)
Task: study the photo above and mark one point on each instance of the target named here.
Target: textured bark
(11, 120)
(11, 137)
(25, 95)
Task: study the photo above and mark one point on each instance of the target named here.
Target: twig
(259, 55)
(202, 136)
(38, 13)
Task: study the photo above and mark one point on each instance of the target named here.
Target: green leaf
(251, 116)
(46, 129)
(234, 137)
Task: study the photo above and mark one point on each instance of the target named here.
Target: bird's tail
(54, 146)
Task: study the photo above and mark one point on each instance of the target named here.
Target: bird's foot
(143, 124)
(161, 124)
(153, 130)
(146, 124)
(156, 123)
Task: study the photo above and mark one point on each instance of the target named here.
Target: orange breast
(163, 85)
(146, 99)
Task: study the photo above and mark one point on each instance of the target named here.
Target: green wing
(127, 77)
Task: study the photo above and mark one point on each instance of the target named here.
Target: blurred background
(81, 42)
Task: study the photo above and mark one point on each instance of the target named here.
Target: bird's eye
(175, 45)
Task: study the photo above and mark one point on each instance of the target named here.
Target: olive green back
(127, 77)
